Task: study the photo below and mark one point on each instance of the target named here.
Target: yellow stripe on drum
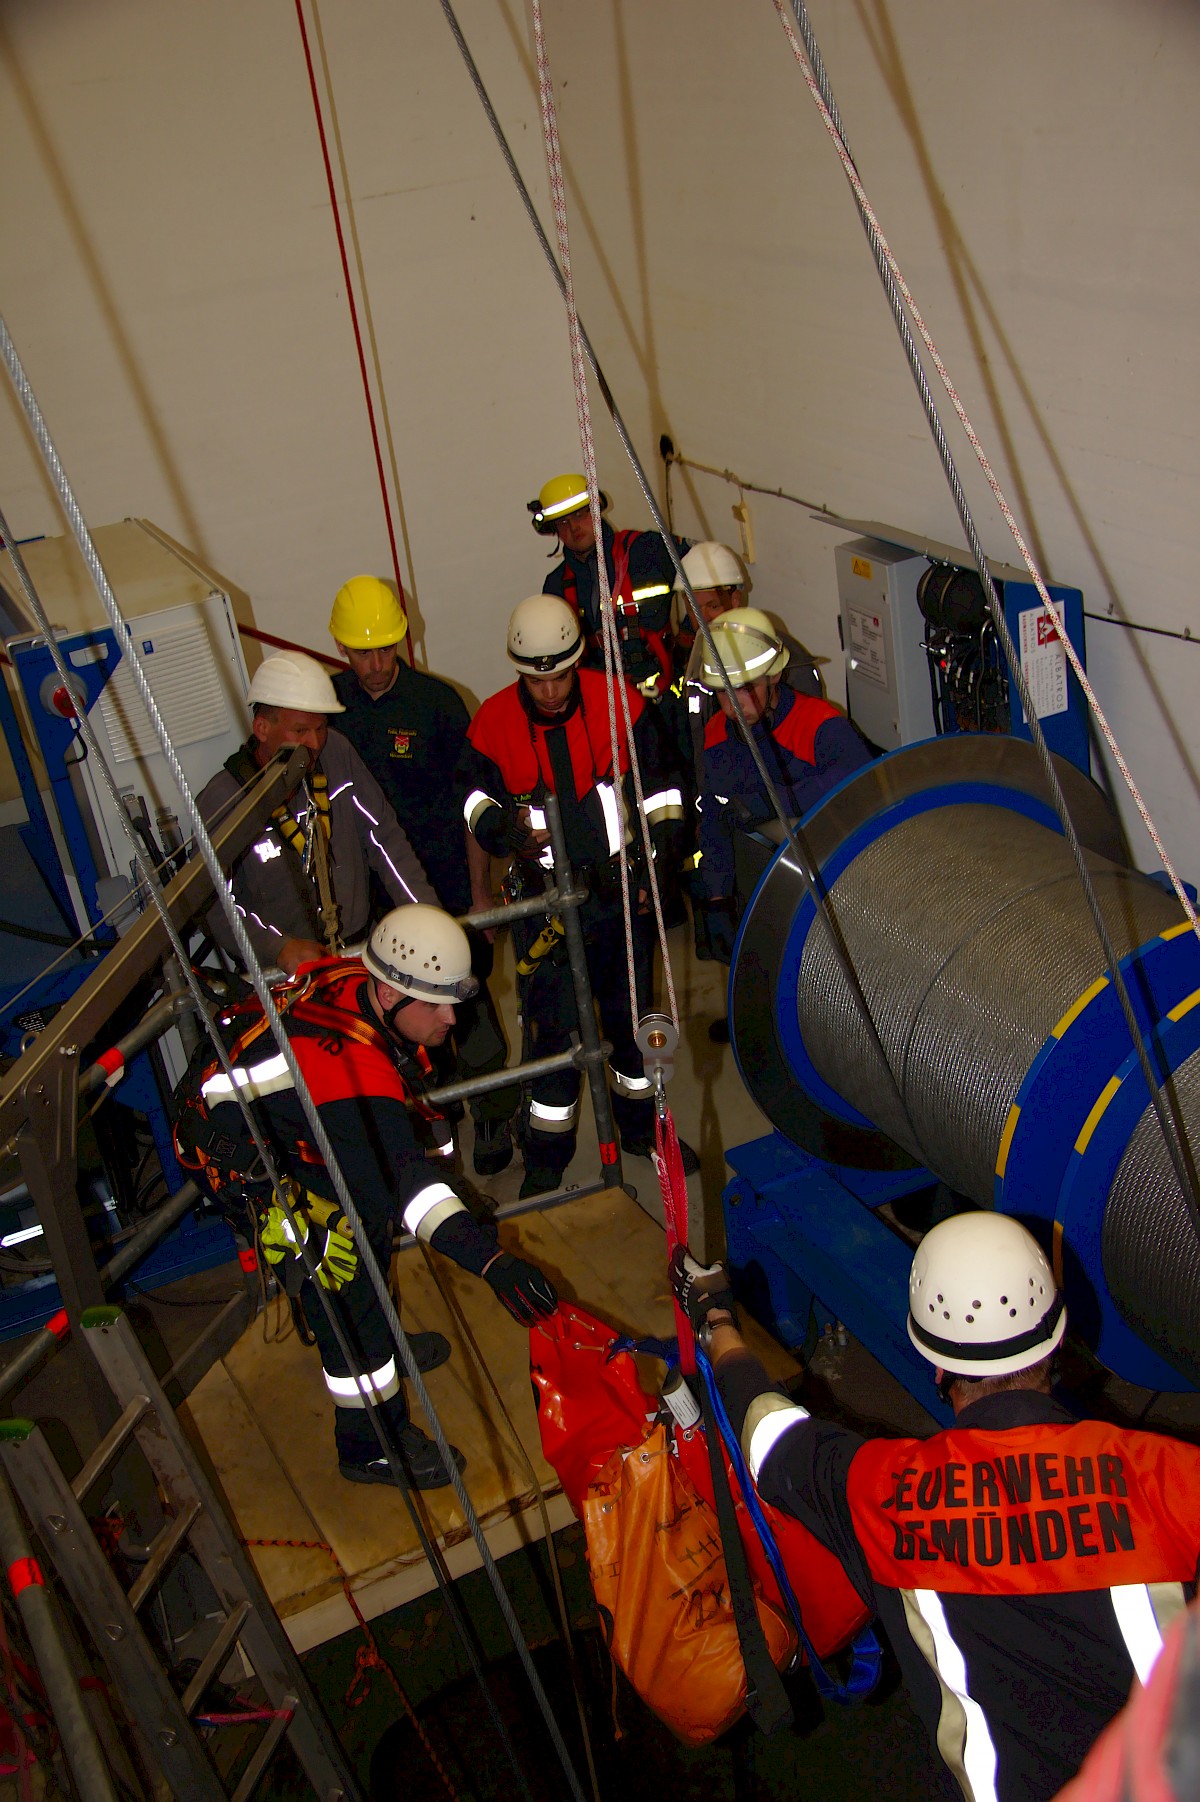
(1006, 1139)
(1185, 1007)
(1173, 932)
(1077, 1007)
(1093, 1120)
(1056, 1254)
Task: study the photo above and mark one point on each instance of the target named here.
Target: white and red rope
(990, 476)
(613, 670)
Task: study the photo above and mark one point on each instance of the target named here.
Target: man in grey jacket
(304, 886)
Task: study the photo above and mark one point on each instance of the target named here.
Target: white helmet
(293, 679)
(544, 636)
(982, 1300)
(422, 951)
(748, 646)
(712, 565)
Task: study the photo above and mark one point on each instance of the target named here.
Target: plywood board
(266, 1423)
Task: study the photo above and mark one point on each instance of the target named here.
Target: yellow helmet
(748, 648)
(366, 614)
(559, 496)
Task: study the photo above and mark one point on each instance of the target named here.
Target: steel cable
(350, 301)
(1172, 1125)
(224, 893)
(819, 86)
(796, 841)
(613, 668)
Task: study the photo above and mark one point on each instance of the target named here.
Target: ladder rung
(266, 1751)
(215, 1656)
(110, 1445)
(162, 1549)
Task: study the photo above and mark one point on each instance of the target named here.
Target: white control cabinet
(888, 692)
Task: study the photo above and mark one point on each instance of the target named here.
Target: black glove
(526, 1291)
(701, 1290)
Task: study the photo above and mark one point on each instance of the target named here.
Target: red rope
(358, 342)
(289, 644)
(673, 1183)
(368, 1657)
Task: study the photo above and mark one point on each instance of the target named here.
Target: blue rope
(866, 1650)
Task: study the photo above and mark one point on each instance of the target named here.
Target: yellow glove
(276, 1236)
(337, 1260)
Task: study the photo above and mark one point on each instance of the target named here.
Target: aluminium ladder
(172, 1743)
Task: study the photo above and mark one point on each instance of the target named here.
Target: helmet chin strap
(387, 1015)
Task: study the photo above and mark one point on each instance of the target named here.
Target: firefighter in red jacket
(641, 578)
(807, 745)
(1024, 1563)
(549, 733)
(360, 1029)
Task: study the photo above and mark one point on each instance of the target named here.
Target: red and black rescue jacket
(641, 578)
(1025, 1565)
(514, 757)
(368, 1093)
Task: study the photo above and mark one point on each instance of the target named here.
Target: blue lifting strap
(866, 1652)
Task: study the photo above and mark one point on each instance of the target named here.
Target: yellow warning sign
(861, 567)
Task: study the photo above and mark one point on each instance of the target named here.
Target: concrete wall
(172, 281)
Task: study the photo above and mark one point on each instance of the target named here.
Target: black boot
(429, 1349)
(493, 1147)
(645, 1148)
(361, 1460)
(540, 1179)
(420, 1460)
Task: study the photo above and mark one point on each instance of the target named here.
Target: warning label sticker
(1043, 662)
(868, 647)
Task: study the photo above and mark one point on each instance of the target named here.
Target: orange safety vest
(1039, 1509)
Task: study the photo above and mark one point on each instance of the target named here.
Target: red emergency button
(63, 701)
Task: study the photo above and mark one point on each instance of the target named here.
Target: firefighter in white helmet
(1025, 1563)
(409, 729)
(641, 576)
(303, 887)
(719, 584)
(362, 1030)
(807, 745)
(548, 732)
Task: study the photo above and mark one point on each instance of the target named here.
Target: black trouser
(361, 1319)
(548, 1000)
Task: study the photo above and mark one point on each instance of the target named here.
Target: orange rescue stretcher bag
(654, 1549)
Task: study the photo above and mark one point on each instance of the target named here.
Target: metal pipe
(577, 1059)
(546, 903)
(533, 1204)
(80, 1745)
(148, 1234)
(606, 1132)
(49, 1338)
(553, 1198)
(152, 1024)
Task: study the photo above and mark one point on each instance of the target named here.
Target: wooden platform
(265, 1420)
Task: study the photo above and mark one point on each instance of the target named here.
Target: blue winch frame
(200, 1242)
